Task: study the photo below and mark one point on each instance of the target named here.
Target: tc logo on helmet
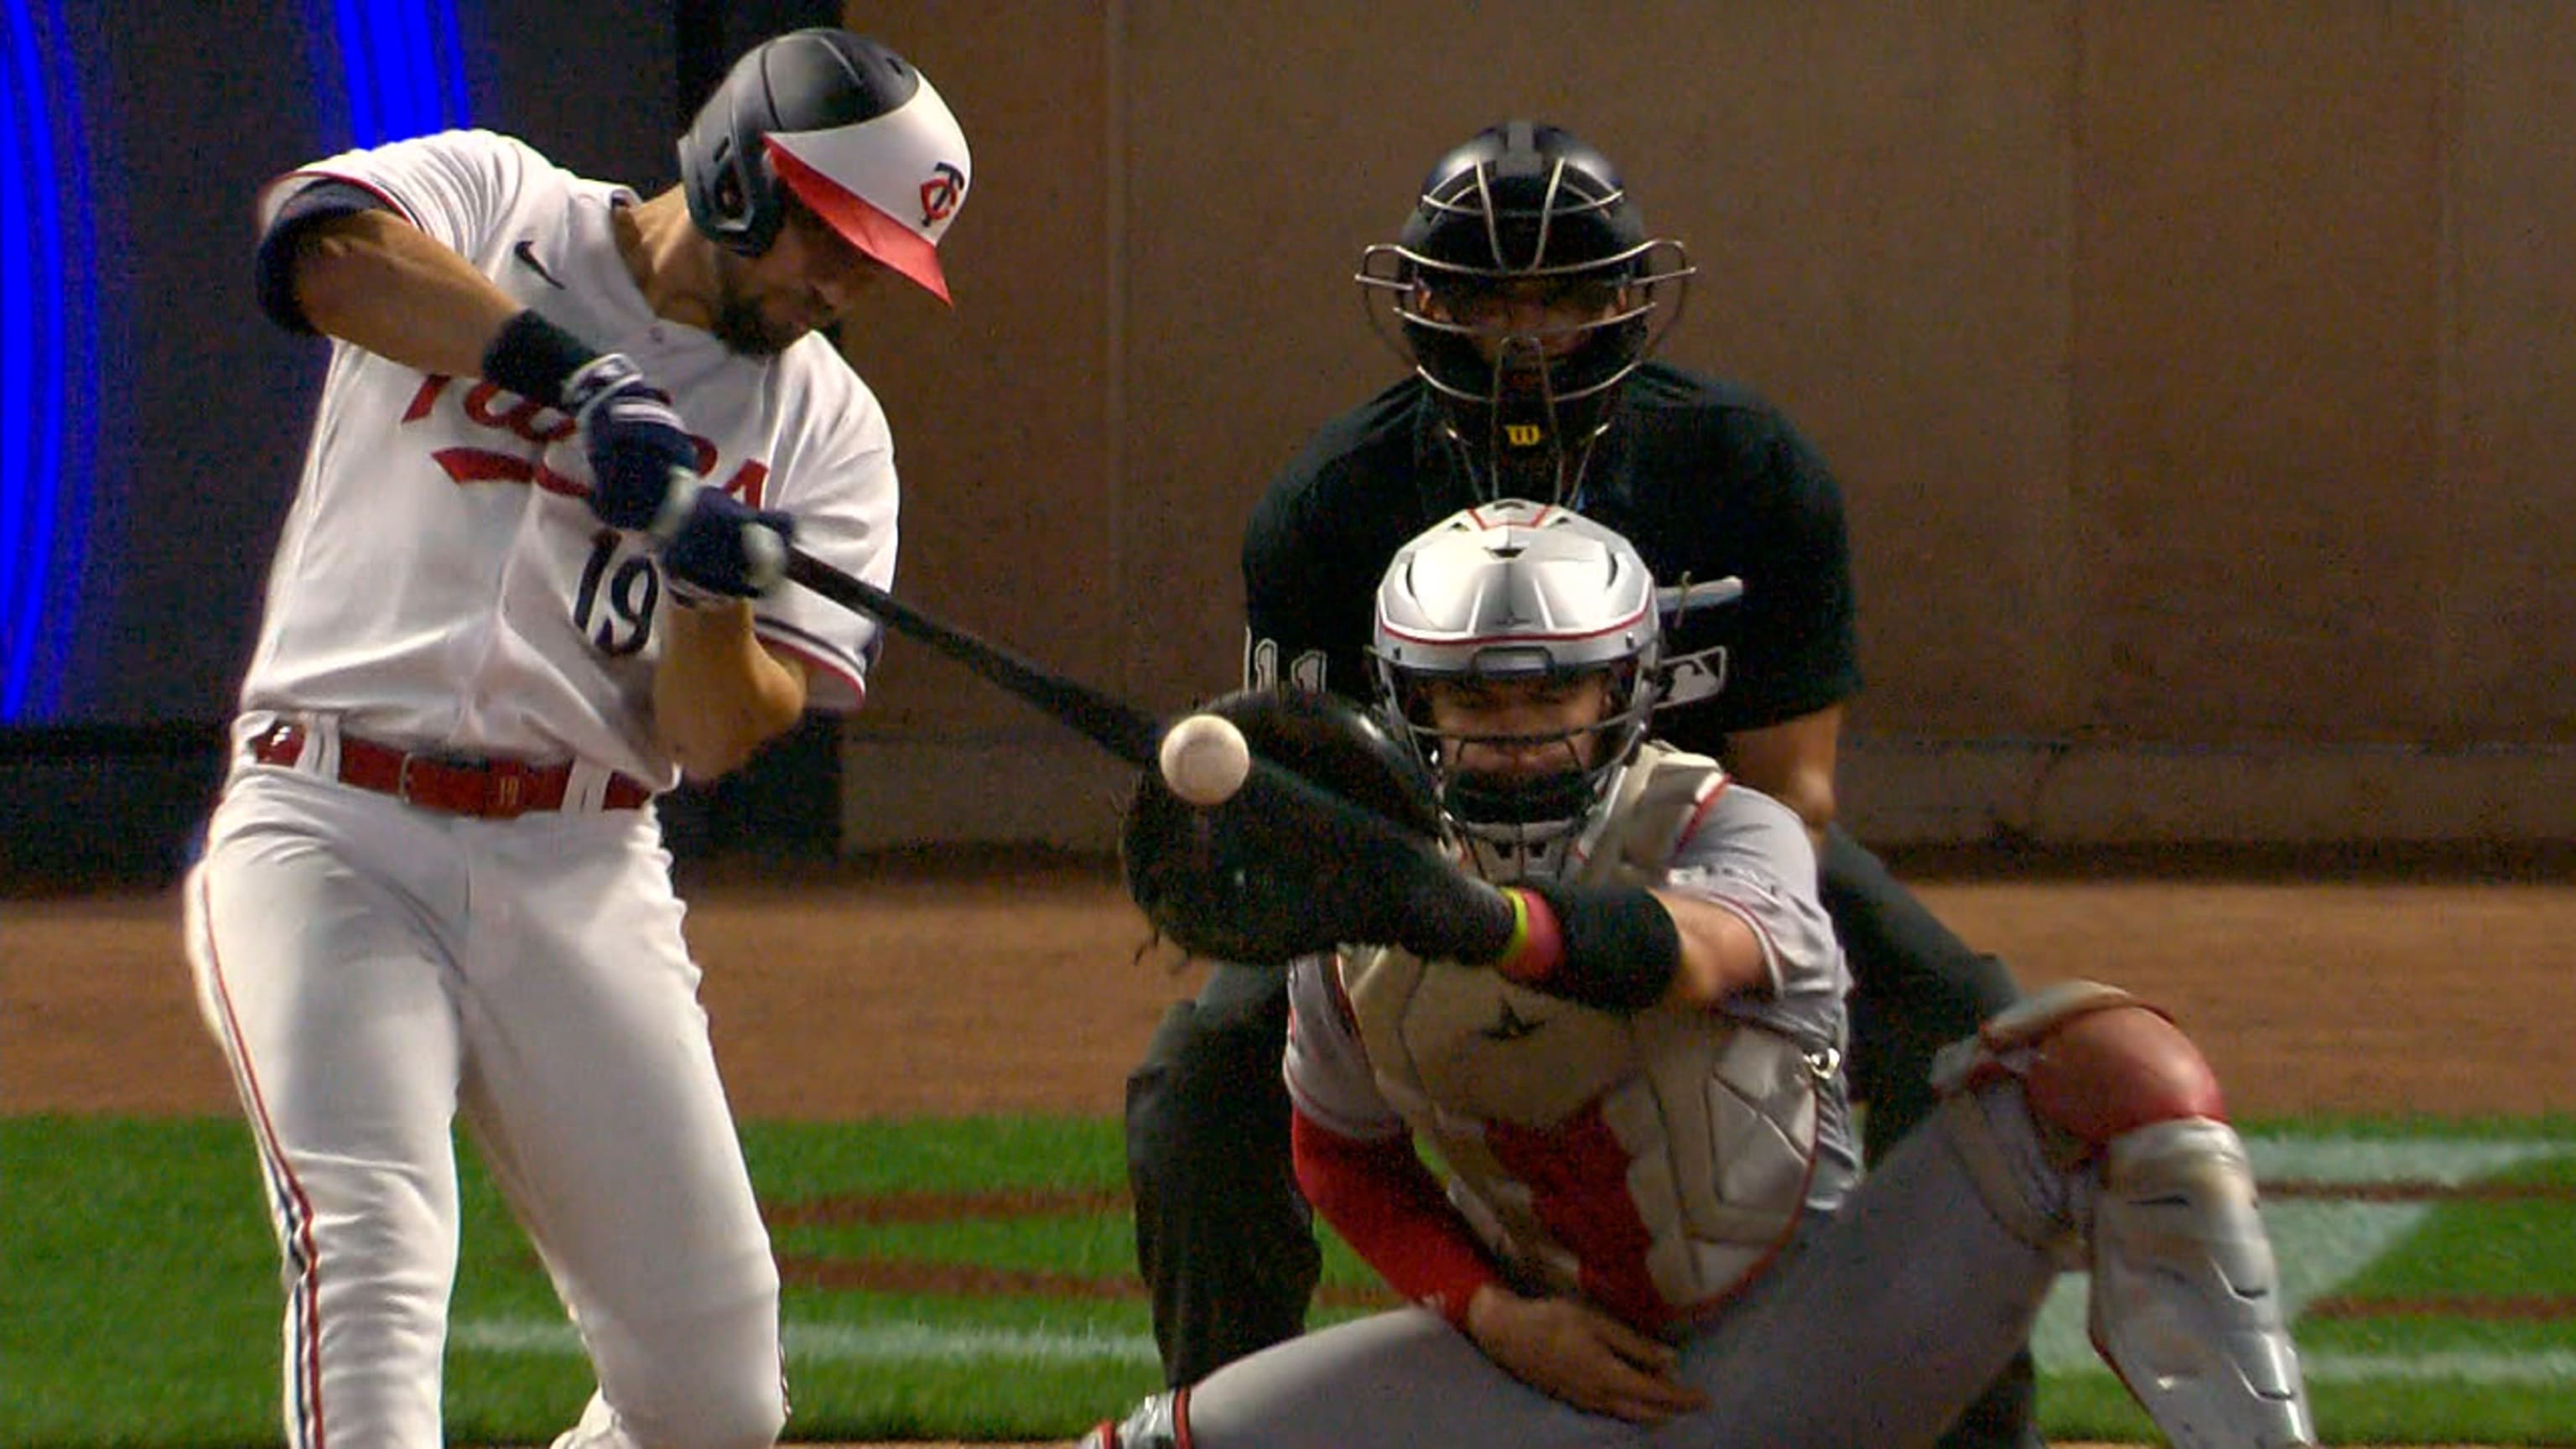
(941, 193)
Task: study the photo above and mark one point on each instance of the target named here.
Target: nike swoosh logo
(526, 252)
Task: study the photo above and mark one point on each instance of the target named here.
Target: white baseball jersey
(376, 970)
(441, 581)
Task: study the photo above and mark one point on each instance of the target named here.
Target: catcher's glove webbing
(1280, 871)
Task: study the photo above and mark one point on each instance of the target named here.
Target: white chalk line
(919, 1343)
(2319, 1244)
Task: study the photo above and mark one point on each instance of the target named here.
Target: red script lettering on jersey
(535, 426)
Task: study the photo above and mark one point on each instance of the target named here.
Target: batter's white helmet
(848, 127)
(1510, 590)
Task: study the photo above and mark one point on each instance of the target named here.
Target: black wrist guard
(1613, 947)
(534, 358)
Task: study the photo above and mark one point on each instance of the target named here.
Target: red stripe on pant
(294, 1209)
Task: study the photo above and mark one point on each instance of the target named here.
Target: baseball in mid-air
(1205, 759)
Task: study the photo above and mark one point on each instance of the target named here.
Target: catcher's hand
(1279, 871)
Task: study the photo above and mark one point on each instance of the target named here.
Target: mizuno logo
(1511, 1026)
(526, 252)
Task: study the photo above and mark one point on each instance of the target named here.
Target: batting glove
(723, 547)
(636, 445)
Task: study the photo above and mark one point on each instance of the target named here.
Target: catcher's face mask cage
(1524, 290)
(1519, 590)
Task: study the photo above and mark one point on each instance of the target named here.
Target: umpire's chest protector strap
(1709, 1124)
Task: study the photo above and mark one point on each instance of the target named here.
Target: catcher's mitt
(1269, 875)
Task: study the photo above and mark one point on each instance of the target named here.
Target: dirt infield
(899, 990)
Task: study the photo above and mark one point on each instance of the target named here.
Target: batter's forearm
(374, 280)
(718, 693)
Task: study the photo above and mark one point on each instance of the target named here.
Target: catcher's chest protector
(1546, 1111)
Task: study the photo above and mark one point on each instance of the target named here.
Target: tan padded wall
(2257, 369)
(1001, 407)
(2198, 374)
(2502, 508)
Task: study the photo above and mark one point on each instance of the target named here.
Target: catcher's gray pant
(1874, 1329)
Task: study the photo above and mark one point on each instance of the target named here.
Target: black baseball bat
(1113, 724)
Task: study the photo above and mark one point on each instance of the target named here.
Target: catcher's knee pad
(1161, 1422)
(2092, 1062)
(2186, 1301)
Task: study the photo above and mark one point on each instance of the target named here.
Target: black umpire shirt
(1706, 479)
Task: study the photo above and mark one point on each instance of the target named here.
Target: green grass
(2465, 1254)
(139, 1294)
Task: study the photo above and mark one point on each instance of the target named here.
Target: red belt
(490, 789)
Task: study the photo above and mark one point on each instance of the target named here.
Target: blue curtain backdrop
(48, 358)
(386, 69)
(134, 413)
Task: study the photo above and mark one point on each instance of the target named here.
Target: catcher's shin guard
(1161, 1422)
(2186, 1299)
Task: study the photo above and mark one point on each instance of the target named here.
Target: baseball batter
(528, 580)
(1653, 1229)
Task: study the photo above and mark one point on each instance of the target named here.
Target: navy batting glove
(635, 442)
(724, 546)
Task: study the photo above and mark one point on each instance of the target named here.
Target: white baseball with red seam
(1205, 759)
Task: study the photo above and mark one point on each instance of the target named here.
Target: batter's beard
(741, 328)
(740, 324)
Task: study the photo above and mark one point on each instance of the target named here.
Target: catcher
(1600, 985)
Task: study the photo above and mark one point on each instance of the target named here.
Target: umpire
(1528, 297)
